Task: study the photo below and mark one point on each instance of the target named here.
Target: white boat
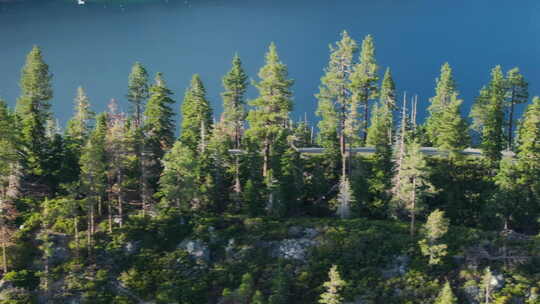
(81, 2)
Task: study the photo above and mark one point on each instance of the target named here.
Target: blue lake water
(96, 44)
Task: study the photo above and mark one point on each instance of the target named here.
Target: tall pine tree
(138, 91)
(445, 92)
(364, 80)
(335, 100)
(488, 115)
(517, 93)
(33, 111)
(234, 112)
(158, 134)
(270, 114)
(413, 182)
(196, 116)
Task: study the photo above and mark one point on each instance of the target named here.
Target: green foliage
(363, 85)
(333, 96)
(488, 115)
(445, 90)
(411, 182)
(178, 181)
(196, 116)
(435, 229)
(33, 111)
(138, 90)
(333, 287)
(280, 286)
(235, 84)
(517, 93)
(223, 232)
(270, 113)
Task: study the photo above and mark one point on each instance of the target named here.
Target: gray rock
(294, 249)
(196, 248)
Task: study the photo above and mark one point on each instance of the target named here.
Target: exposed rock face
(196, 248)
(398, 267)
(294, 249)
(297, 247)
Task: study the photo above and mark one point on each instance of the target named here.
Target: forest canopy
(255, 207)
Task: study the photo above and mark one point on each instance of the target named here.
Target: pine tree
(528, 138)
(364, 80)
(446, 296)
(138, 91)
(451, 133)
(445, 93)
(380, 132)
(8, 161)
(345, 199)
(80, 124)
(528, 161)
(258, 298)
(234, 112)
(509, 196)
(245, 291)
(485, 284)
(117, 156)
(93, 163)
(280, 286)
(77, 132)
(413, 182)
(218, 166)
(270, 114)
(33, 111)
(196, 116)
(158, 135)
(435, 228)
(333, 287)
(178, 183)
(488, 113)
(335, 102)
(517, 93)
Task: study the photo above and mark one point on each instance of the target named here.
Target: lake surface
(96, 44)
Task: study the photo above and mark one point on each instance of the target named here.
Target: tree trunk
(100, 202)
(144, 183)
(4, 254)
(413, 207)
(510, 125)
(366, 118)
(76, 224)
(110, 215)
(89, 236)
(266, 155)
(120, 200)
(92, 220)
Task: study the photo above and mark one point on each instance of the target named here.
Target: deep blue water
(95, 45)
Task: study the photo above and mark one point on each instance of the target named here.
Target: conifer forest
(364, 204)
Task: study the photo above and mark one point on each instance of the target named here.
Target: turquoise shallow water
(95, 45)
